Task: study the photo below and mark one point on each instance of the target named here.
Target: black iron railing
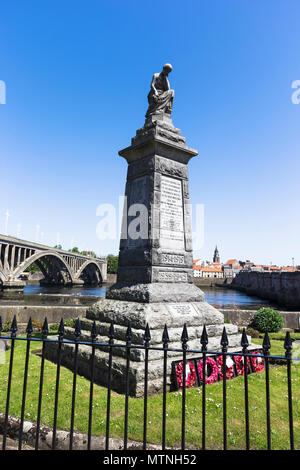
(244, 355)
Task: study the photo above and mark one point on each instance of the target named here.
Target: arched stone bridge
(59, 267)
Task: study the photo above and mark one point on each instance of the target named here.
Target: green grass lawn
(214, 408)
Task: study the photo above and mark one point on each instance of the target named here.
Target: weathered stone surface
(80, 440)
(283, 288)
(54, 313)
(156, 336)
(137, 366)
(173, 314)
(156, 292)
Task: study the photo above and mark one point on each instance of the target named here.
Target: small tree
(267, 320)
(112, 264)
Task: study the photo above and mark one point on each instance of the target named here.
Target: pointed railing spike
(14, 327)
(165, 336)
(266, 344)
(94, 331)
(244, 341)
(184, 337)
(129, 334)
(29, 328)
(147, 335)
(111, 334)
(61, 329)
(288, 345)
(204, 338)
(111, 331)
(45, 329)
(77, 331)
(224, 339)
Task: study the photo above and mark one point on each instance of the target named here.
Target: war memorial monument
(155, 283)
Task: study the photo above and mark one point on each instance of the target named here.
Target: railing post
(29, 331)
(204, 343)
(266, 351)
(93, 339)
(184, 340)
(288, 345)
(147, 338)
(165, 340)
(77, 335)
(45, 332)
(224, 344)
(128, 349)
(245, 344)
(61, 332)
(14, 329)
(111, 336)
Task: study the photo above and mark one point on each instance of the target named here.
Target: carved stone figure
(160, 97)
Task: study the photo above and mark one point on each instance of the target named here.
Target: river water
(217, 296)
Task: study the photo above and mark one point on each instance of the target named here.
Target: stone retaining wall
(39, 312)
(243, 317)
(282, 288)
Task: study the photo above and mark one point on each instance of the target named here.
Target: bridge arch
(50, 257)
(90, 271)
(2, 277)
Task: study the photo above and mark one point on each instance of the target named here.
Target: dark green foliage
(6, 326)
(32, 268)
(267, 320)
(112, 264)
(253, 333)
(74, 250)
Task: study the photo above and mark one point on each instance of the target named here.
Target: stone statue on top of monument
(160, 97)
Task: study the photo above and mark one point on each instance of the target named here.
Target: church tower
(216, 258)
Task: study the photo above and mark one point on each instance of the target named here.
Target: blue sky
(77, 76)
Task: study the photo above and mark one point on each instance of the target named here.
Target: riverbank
(211, 282)
(56, 303)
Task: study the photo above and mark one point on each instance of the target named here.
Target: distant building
(289, 269)
(197, 270)
(216, 258)
(257, 268)
(231, 268)
(197, 262)
(212, 272)
(227, 270)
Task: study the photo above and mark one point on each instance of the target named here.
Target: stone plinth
(173, 314)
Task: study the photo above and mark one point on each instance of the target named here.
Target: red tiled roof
(217, 270)
(232, 261)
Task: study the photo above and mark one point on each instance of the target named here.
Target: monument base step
(156, 292)
(174, 315)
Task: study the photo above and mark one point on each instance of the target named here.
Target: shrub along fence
(191, 371)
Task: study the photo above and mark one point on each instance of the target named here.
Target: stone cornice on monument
(157, 138)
